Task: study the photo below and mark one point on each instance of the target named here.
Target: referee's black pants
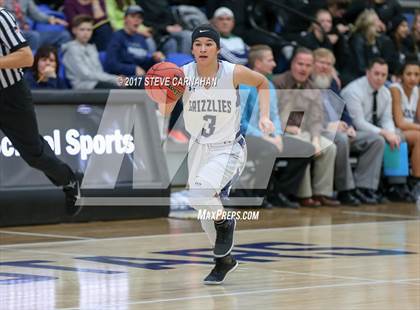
(18, 122)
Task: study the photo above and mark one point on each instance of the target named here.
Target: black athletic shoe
(224, 265)
(224, 238)
(399, 193)
(366, 196)
(348, 199)
(282, 201)
(266, 204)
(415, 191)
(72, 193)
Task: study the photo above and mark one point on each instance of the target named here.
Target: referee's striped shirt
(11, 39)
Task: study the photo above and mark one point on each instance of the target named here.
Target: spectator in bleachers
(24, 9)
(293, 25)
(95, 8)
(406, 113)
(243, 28)
(263, 149)
(332, 40)
(368, 147)
(232, 48)
(403, 45)
(116, 10)
(44, 72)
(166, 32)
(341, 28)
(316, 187)
(415, 32)
(366, 43)
(128, 52)
(315, 37)
(81, 59)
(385, 9)
(370, 105)
(338, 9)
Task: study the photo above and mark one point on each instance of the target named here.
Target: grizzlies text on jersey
(212, 115)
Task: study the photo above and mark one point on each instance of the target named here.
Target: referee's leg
(18, 122)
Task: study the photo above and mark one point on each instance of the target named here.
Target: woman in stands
(44, 72)
(406, 113)
(366, 43)
(403, 45)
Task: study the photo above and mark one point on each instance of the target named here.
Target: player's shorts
(216, 164)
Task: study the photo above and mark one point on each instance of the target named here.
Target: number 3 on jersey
(209, 125)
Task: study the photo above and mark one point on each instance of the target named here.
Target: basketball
(164, 83)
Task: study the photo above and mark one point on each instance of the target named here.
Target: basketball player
(217, 151)
(17, 115)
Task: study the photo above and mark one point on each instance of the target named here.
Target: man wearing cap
(233, 48)
(128, 52)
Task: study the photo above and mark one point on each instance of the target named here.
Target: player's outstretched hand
(266, 125)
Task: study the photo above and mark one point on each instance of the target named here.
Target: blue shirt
(125, 52)
(251, 114)
(51, 83)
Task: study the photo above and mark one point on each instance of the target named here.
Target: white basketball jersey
(212, 115)
(408, 105)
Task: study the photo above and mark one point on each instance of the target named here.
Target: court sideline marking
(199, 233)
(12, 232)
(288, 289)
(378, 214)
(330, 276)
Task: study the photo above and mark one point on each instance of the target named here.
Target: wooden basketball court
(325, 258)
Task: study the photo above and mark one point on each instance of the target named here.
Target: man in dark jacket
(158, 15)
(128, 52)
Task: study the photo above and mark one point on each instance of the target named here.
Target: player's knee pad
(203, 196)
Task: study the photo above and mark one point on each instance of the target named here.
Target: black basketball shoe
(224, 265)
(224, 237)
(72, 193)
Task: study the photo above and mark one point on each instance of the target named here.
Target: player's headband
(206, 31)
